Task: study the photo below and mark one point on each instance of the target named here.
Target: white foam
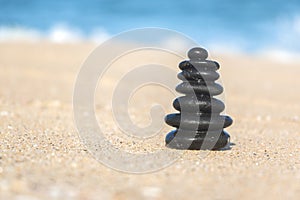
(99, 35)
(280, 55)
(64, 34)
(284, 47)
(59, 33)
(19, 34)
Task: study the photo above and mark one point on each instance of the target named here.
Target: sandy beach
(42, 157)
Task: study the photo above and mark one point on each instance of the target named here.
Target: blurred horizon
(236, 26)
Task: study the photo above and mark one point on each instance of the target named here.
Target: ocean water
(231, 25)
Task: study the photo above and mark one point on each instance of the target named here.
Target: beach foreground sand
(42, 157)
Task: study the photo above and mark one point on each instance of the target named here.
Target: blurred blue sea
(233, 25)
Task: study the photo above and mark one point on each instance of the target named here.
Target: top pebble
(198, 53)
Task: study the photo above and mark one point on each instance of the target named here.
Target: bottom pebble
(193, 140)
